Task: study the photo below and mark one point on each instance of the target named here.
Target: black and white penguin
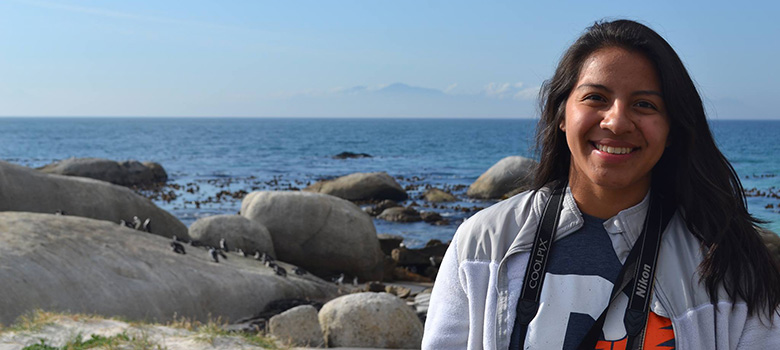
(214, 255)
(355, 281)
(177, 247)
(267, 258)
(137, 224)
(270, 264)
(339, 280)
(223, 245)
(433, 261)
(147, 225)
(241, 252)
(280, 271)
(59, 212)
(257, 255)
(299, 271)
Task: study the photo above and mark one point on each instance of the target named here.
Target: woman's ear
(562, 125)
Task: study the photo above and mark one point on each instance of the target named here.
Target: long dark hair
(692, 171)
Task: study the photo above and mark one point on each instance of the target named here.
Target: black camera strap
(638, 270)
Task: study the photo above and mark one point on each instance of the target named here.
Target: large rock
(24, 189)
(126, 173)
(370, 320)
(299, 326)
(324, 234)
(68, 263)
(508, 174)
(361, 187)
(238, 232)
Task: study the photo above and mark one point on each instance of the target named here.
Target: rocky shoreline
(304, 265)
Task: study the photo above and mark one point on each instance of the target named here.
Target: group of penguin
(215, 253)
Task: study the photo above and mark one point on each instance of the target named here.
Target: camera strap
(638, 271)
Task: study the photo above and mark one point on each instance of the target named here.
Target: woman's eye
(645, 104)
(594, 98)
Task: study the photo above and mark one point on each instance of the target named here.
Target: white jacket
(478, 285)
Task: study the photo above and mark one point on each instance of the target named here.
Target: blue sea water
(208, 155)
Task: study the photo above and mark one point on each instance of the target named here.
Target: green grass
(96, 341)
(208, 332)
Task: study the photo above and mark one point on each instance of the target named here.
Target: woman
(637, 234)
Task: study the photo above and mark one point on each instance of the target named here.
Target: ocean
(208, 156)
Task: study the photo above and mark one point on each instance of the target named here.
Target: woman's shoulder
(489, 233)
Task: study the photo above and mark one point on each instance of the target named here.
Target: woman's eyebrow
(602, 87)
(596, 86)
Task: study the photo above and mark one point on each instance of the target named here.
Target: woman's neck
(605, 203)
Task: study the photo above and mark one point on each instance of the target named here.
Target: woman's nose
(618, 119)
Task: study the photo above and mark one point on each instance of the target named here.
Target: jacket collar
(627, 222)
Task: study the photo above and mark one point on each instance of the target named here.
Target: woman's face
(616, 124)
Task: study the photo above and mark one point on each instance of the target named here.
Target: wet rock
(75, 264)
(238, 231)
(436, 195)
(22, 189)
(321, 233)
(381, 206)
(370, 320)
(431, 216)
(400, 214)
(506, 175)
(361, 187)
(299, 326)
(350, 155)
(126, 173)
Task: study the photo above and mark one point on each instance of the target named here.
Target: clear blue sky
(365, 58)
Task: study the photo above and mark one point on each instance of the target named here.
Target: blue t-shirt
(581, 272)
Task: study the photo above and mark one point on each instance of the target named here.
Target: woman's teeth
(613, 150)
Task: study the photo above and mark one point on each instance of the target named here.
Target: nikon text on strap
(639, 270)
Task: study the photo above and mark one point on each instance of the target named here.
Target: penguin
(339, 280)
(122, 223)
(299, 271)
(266, 258)
(147, 225)
(270, 264)
(214, 255)
(137, 224)
(223, 245)
(355, 281)
(59, 212)
(280, 271)
(241, 252)
(433, 261)
(177, 247)
(257, 255)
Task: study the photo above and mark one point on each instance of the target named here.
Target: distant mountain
(401, 88)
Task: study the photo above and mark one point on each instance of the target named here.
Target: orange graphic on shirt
(659, 335)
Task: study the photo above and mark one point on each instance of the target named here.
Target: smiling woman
(616, 128)
(636, 235)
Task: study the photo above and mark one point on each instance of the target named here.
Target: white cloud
(450, 88)
(510, 90)
(527, 94)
